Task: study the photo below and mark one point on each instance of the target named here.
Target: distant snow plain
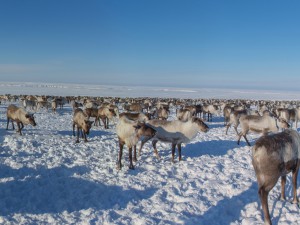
(46, 178)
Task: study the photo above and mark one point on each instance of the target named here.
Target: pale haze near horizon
(198, 44)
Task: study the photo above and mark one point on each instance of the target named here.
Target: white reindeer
(129, 132)
(175, 132)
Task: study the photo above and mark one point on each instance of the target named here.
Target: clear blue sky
(186, 43)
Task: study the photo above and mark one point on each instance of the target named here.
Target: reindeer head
(282, 123)
(30, 119)
(145, 130)
(112, 112)
(202, 126)
(87, 126)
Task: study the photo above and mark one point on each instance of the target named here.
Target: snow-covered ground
(46, 178)
(65, 89)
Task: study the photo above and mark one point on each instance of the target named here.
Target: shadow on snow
(42, 190)
(228, 208)
(215, 148)
(93, 133)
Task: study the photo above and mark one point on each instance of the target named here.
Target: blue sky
(201, 43)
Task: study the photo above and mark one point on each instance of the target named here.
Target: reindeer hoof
(131, 167)
(119, 166)
(77, 141)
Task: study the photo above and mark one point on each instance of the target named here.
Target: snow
(46, 178)
(66, 89)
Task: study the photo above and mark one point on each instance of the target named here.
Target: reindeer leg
(77, 141)
(7, 123)
(263, 194)
(155, 149)
(13, 125)
(103, 120)
(18, 125)
(107, 121)
(95, 122)
(134, 153)
(130, 159)
(283, 181)
(99, 121)
(246, 140)
(227, 127)
(239, 138)
(142, 144)
(73, 129)
(173, 152)
(235, 127)
(119, 164)
(84, 134)
(21, 127)
(294, 177)
(179, 151)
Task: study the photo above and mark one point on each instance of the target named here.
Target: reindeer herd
(274, 154)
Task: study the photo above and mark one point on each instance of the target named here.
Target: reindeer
(209, 110)
(105, 113)
(20, 116)
(259, 124)
(275, 156)
(129, 132)
(175, 132)
(83, 124)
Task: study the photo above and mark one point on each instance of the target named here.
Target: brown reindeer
(275, 156)
(92, 112)
(82, 123)
(20, 116)
(105, 113)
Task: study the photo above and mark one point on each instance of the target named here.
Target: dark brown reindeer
(92, 112)
(275, 156)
